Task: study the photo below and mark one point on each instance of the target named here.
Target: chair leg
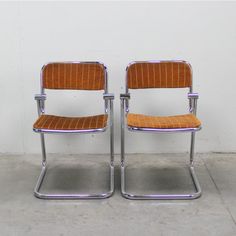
(131, 196)
(44, 158)
(192, 148)
(40, 195)
(191, 168)
(112, 175)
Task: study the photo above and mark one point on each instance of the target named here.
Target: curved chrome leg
(162, 196)
(40, 195)
(131, 196)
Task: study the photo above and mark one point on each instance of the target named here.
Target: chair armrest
(108, 96)
(124, 101)
(40, 97)
(125, 96)
(193, 96)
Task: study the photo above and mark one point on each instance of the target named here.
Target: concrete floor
(212, 214)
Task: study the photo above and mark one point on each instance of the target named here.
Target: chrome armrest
(108, 96)
(193, 97)
(124, 99)
(40, 98)
(125, 96)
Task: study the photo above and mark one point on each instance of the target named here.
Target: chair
(74, 76)
(159, 74)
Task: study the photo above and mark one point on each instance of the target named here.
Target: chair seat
(50, 122)
(163, 122)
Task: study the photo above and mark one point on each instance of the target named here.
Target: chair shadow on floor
(91, 177)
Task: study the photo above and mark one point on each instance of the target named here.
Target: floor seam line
(219, 192)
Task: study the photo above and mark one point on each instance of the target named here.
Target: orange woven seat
(163, 122)
(70, 123)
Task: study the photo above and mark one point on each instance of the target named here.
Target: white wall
(117, 33)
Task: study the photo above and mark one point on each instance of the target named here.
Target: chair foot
(40, 195)
(189, 196)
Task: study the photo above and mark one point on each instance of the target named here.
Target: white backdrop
(116, 33)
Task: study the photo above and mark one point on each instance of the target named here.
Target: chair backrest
(159, 74)
(74, 75)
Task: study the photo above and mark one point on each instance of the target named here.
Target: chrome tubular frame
(124, 111)
(108, 103)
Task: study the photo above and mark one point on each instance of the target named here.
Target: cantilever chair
(159, 74)
(74, 76)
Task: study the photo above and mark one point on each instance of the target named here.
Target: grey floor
(212, 214)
